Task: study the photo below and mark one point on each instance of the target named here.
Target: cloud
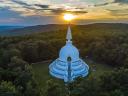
(9, 20)
(107, 2)
(26, 8)
(42, 6)
(121, 12)
(112, 2)
(30, 5)
(103, 4)
(20, 2)
(61, 11)
(121, 1)
(78, 12)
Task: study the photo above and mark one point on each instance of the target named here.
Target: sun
(68, 17)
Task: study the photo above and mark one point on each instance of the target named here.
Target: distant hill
(31, 29)
(16, 30)
(3, 28)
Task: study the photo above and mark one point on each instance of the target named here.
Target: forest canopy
(106, 43)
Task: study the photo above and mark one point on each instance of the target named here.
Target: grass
(41, 71)
(97, 69)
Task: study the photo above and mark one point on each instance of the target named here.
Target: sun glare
(68, 17)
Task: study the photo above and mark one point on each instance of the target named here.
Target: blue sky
(36, 12)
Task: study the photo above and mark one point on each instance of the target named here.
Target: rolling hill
(14, 30)
(3, 28)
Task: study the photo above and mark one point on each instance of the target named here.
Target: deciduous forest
(106, 44)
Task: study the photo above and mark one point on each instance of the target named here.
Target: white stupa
(69, 65)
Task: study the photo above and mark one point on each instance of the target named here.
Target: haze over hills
(13, 31)
(3, 28)
(20, 30)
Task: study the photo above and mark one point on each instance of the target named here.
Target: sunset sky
(36, 12)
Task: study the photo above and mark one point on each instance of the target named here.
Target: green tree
(7, 89)
(53, 89)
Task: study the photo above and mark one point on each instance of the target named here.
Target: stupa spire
(69, 34)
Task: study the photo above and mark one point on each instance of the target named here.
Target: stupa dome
(69, 50)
